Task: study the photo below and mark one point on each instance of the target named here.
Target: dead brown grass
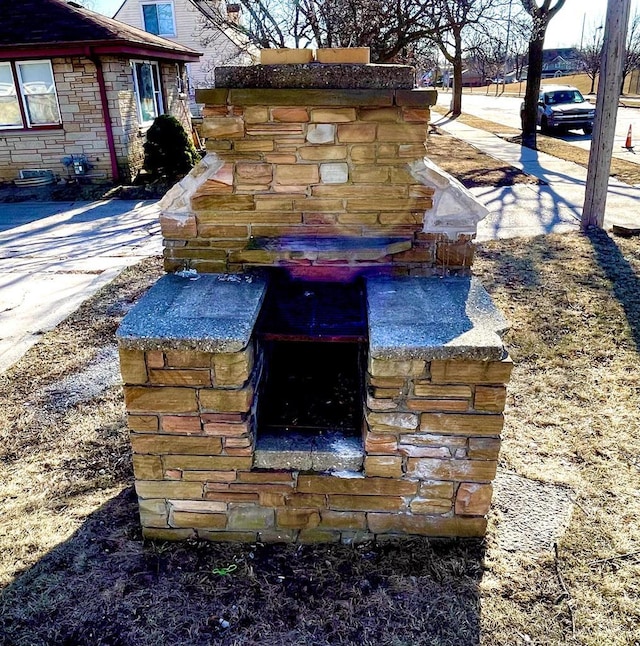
(75, 570)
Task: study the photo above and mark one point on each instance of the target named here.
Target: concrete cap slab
(211, 313)
(433, 318)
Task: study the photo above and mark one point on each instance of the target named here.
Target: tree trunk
(593, 84)
(456, 101)
(534, 75)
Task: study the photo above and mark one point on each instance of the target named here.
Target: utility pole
(613, 53)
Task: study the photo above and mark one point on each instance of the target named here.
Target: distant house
(185, 22)
(78, 90)
(560, 62)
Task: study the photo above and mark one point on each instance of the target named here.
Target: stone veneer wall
(431, 440)
(309, 164)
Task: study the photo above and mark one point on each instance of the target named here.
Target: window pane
(144, 78)
(150, 18)
(39, 93)
(165, 19)
(9, 109)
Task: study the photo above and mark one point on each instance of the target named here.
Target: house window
(28, 96)
(158, 18)
(146, 76)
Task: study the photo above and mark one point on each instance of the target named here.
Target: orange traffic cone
(627, 144)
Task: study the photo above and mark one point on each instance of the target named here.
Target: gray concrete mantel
(433, 318)
(211, 313)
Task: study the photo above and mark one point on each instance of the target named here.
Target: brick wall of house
(83, 129)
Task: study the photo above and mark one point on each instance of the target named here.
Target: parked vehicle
(562, 108)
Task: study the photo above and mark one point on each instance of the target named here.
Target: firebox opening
(310, 404)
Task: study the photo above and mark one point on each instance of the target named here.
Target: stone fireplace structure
(318, 364)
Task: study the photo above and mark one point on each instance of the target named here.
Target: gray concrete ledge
(433, 318)
(215, 313)
(317, 76)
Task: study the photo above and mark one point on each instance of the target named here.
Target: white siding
(217, 49)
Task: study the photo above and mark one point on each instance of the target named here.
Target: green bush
(168, 151)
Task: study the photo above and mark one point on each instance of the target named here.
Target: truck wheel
(588, 130)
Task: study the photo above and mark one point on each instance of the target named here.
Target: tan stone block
(250, 517)
(237, 443)
(355, 133)
(454, 424)
(473, 499)
(280, 158)
(160, 399)
(274, 202)
(368, 173)
(400, 175)
(297, 518)
(436, 489)
(455, 254)
(153, 506)
(147, 467)
(363, 153)
(296, 115)
(168, 489)
(318, 205)
(438, 405)
(208, 476)
(262, 477)
(421, 115)
(431, 391)
(484, 448)
(306, 500)
(429, 439)
(227, 401)
(387, 114)
(171, 444)
(319, 218)
(313, 536)
(383, 466)
(275, 130)
(207, 463)
(256, 114)
(397, 421)
(271, 499)
(382, 405)
(383, 444)
(453, 470)
(402, 218)
(389, 382)
(221, 182)
(288, 174)
(225, 429)
(154, 359)
(322, 153)
(355, 486)
(366, 503)
(180, 377)
(285, 56)
(253, 145)
(360, 191)
(476, 372)
(387, 368)
(343, 520)
(388, 204)
(197, 520)
(490, 399)
(253, 173)
(401, 132)
(425, 526)
(222, 127)
(234, 497)
(430, 506)
(178, 227)
(358, 218)
(417, 190)
(413, 451)
(186, 424)
(389, 151)
(333, 115)
(233, 368)
(342, 55)
(142, 423)
(222, 203)
(188, 358)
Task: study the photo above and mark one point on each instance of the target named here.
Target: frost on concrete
(456, 211)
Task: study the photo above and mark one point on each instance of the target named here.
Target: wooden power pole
(613, 53)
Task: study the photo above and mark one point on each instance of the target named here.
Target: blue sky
(563, 31)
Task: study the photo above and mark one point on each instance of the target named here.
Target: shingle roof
(30, 24)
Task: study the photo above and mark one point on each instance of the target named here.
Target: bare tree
(591, 54)
(632, 58)
(541, 15)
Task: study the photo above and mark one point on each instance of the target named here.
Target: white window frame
(21, 96)
(157, 91)
(173, 17)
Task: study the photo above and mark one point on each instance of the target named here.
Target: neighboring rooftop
(65, 27)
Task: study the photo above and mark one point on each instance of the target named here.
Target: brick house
(76, 85)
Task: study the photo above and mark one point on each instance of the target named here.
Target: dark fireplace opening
(313, 340)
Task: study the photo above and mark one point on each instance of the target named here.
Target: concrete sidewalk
(528, 209)
(53, 256)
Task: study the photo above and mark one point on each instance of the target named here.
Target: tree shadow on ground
(105, 586)
(625, 282)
